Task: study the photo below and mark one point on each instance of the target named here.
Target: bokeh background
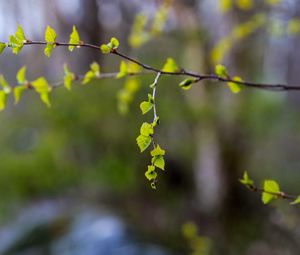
(72, 178)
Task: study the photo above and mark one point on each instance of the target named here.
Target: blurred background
(72, 178)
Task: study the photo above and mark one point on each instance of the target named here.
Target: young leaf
(69, 77)
(114, 43)
(146, 106)
(88, 77)
(105, 49)
(2, 47)
(235, 87)
(187, 83)
(157, 151)
(151, 173)
(50, 38)
(21, 76)
(48, 50)
(123, 70)
(143, 142)
(221, 71)
(50, 35)
(92, 73)
(3, 82)
(74, 39)
(109, 47)
(272, 191)
(20, 34)
(147, 129)
(246, 180)
(3, 97)
(95, 68)
(296, 201)
(170, 66)
(42, 87)
(159, 162)
(18, 92)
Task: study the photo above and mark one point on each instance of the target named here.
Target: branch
(182, 72)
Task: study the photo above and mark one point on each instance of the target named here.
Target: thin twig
(182, 72)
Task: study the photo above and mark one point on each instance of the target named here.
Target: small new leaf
(3, 97)
(246, 180)
(221, 71)
(105, 49)
(147, 129)
(296, 201)
(123, 70)
(146, 106)
(157, 151)
(111, 46)
(143, 142)
(271, 191)
(5, 85)
(92, 73)
(18, 92)
(187, 83)
(74, 38)
(16, 42)
(159, 162)
(20, 34)
(50, 38)
(2, 47)
(235, 87)
(50, 35)
(151, 173)
(69, 78)
(21, 76)
(170, 66)
(42, 87)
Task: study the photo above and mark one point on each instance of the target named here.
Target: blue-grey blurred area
(72, 179)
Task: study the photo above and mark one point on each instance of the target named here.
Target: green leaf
(246, 180)
(159, 162)
(20, 34)
(270, 186)
(123, 70)
(187, 83)
(18, 92)
(74, 38)
(296, 201)
(92, 73)
(143, 142)
(3, 97)
(95, 68)
(45, 99)
(151, 173)
(105, 49)
(42, 87)
(147, 129)
(2, 47)
(88, 77)
(146, 106)
(221, 71)
(170, 66)
(114, 43)
(157, 151)
(15, 44)
(109, 47)
(235, 87)
(50, 35)
(50, 38)
(21, 76)
(3, 82)
(69, 77)
(48, 50)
